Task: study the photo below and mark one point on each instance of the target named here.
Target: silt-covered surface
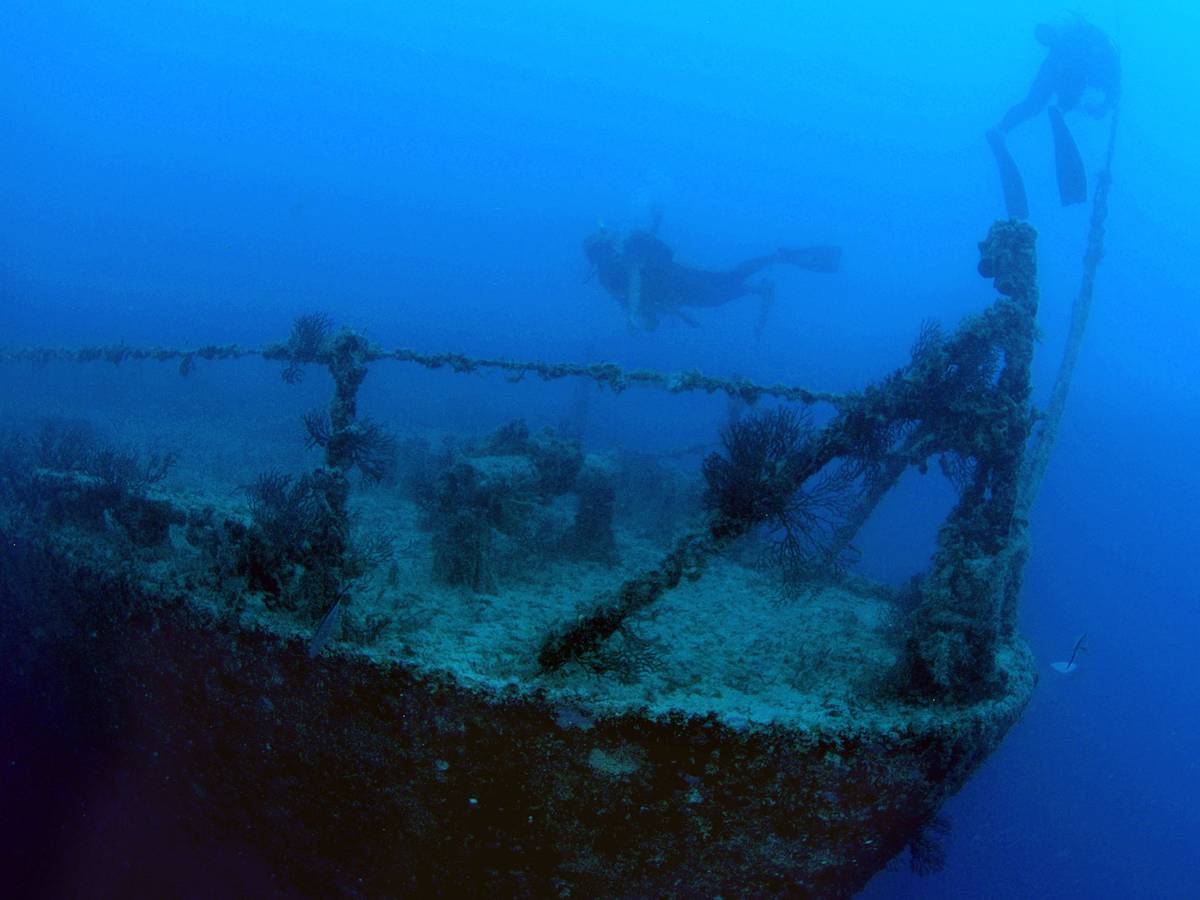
(385, 770)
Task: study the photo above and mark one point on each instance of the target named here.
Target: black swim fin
(1068, 164)
(1015, 202)
(812, 259)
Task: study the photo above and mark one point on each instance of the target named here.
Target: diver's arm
(1111, 93)
(1104, 74)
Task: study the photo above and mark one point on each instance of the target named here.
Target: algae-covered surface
(725, 643)
(728, 643)
(732, 738)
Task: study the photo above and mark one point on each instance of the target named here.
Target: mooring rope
(618, 379)
(1043, 444)
(605, 374)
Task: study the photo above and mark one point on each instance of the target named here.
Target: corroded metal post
(969, 598)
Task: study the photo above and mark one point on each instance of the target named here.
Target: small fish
(324, 634)
(1066, 668)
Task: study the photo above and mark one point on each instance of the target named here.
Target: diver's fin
(1068, 164)
(812, 259)
(1015, 202)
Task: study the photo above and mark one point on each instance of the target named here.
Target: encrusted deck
(382, 771)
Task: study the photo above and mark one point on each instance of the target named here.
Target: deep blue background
(180, 173)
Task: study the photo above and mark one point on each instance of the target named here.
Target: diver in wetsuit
(641, 272)
(1080, 56)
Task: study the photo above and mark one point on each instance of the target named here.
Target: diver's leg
(1015, 203)
(1040, 92)
(1068, 164)
(699, 287)
(820, 258)
(744, 270)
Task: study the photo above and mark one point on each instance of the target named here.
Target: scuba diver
(641, 272)
(1080, 56)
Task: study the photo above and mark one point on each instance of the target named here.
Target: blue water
(181, 173)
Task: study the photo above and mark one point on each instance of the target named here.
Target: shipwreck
(627, 717)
